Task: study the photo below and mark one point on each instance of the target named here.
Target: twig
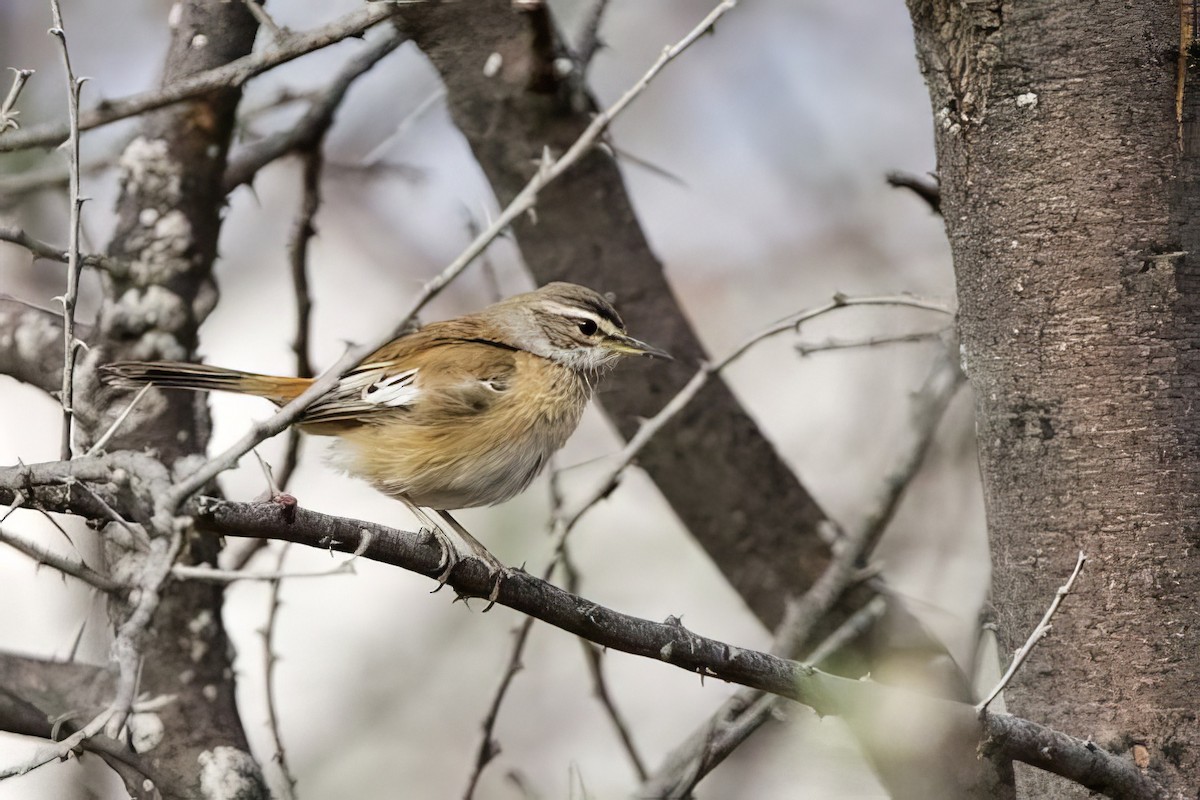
(925, 188)
(807, 349)
(213, 575)
(594, 657)
(676, 404)
(525, 200)
(70, 343)
(40, 249)
(138, 535)
(488, 747)
(57, 751)
(288, 783)
(118, 422)
(64, 564)
(589, 39)
(1041, 630)
(8, 115)
(278, 34)
(298, 252)
(228, 76)
(311, 127)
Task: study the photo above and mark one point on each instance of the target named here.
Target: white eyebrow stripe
(575, 312)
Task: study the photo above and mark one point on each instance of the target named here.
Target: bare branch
(56, 751)
(34, 334)
(594, 657)
(64, 564)
(98, 447)
(213, 575)
(589, 40)
(231, 75)
(311, 127)
(1040, 631)
(488, 747)
(928, 189)
(652, 426)
(278, 34)
(70, 343)
(288, 786)
(8, 115)
(807, 348)
(40, 249)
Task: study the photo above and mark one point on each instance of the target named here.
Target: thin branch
(652, 426)
(57, 751)
(927, 189)
(594, 656)
(808, 348)
(288, 785)
(213, 575)
(589, 39)
(40, 249)
(64, 564)
(228, 76)
(70, 343)
(311, 127)
(8, 114)
(1040, 631)
(118, 422)
(278, 34)
(549, 170)
(488, 747)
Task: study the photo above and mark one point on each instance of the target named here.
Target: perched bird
(460, 413)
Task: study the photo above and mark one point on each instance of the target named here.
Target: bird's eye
(587, 327)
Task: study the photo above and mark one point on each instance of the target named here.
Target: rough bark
(1070, 198)
(713, 464)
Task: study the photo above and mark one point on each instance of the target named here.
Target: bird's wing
(428, 375)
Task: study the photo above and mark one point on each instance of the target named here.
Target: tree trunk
(1068, 187)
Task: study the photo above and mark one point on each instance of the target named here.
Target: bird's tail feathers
(202, 378)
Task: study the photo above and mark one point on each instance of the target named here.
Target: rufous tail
(201, 378)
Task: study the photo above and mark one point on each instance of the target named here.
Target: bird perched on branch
(460, 413)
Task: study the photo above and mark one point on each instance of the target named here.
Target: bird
(460, 413)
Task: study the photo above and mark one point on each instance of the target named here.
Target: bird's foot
(450, 556)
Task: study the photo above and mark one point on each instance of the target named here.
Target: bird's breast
(458, 461)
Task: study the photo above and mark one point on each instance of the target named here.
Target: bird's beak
(627, 345)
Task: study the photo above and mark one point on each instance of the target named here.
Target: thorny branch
(311, 127)
(42, 485)
(70, 343)
(40, 249)
(8, 113)
(229, 76)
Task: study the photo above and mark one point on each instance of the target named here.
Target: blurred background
(757, 165)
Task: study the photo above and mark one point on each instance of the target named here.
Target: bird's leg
(450, 553)
(499, 570)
